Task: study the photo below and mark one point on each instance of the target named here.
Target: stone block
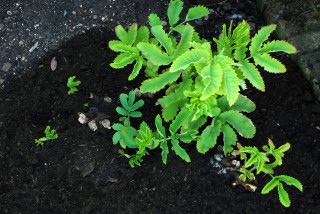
(306, 42)
(310, 67)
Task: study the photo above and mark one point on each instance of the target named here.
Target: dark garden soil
(81, 171)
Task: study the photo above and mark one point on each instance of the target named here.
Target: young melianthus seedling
(72, 85)
(259, 161)
(50, 135)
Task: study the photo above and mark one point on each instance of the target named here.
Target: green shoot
(72, 85)
(50, 135)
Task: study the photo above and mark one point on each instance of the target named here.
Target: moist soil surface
(82, 172)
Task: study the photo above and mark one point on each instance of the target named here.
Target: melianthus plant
(202, 87)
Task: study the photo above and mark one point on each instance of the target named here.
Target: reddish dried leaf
(53, 64)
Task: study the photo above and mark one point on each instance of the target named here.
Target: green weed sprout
(50, 135)
(72, 84)
(259, 161)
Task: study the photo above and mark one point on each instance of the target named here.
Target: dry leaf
(53, 64)
(113, 180)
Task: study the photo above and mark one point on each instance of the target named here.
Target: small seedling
(72, 85)
(259, 161)
(86, 105)
(50, 135)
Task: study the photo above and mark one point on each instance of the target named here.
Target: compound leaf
(190, 57)
(209, 137)
(165, 151)
(270, 186)
(132, 34)
(122, 60)
(184, 44)
(212, 75)
(290, 181)
(269, 64)
(196, 13)
(163, 38)
(283, 196)
(136, 69)
(180, 151)
(174, 11)
(121, 34)
(276, 46)
(142, 35)
(252, 74)
(154, 54)
(157, 83)
(242, 104)
(239, 122)
(154, 20)
(229, 138)
(260, 38)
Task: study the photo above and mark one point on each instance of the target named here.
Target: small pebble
(107, 99)
(105, 123)
(82, 118)
(9, 13)
(6, 67)
(1, 26)
(95, 17)
(92, 125)
(20, 42)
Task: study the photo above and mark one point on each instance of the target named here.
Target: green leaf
(154, 20)
(252, 160)
(252, 74)
(135, 114)
(117, 126)
(178, 121)
(127, 135)
(124, 102)
(165, 151)
(171, 110)
(123, 60)
(116, 137)
(154, 54)
(174, 11)
(160, 129)
(209, 137)
(184, 44)
(163, 38)
(283, 196)
(118, 46)
(142, 35)
(231, 82)
(157, 83)
(239, 122)
(212, 75)
(276, 46)
(121, 34)
(136, 69)
(260, 38)
(180, 151)
(137, 105)
(177, 94)
(269, 64)
(132, 34)
(229, 138)
(187, 136)
(196, 13)
(189, 57)
(122, 111)
(290, 181)
(242, 104)
(131, 98)
(270, 186)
